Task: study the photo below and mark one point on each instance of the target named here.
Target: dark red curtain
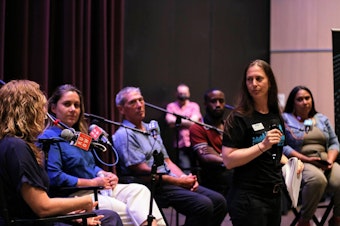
(54, 42)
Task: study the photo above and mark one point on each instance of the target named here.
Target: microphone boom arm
(184, 117)
(99, 118)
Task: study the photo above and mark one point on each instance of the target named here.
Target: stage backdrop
(54, 42)
(204, 43)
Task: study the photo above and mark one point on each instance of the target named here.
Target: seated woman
(70, 165)
(311, 138)
(25, 182)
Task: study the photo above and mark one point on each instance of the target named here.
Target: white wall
(301, 47)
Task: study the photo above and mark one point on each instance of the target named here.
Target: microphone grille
(92, 127)
(153, 125)
(67, 134)
(274, 124)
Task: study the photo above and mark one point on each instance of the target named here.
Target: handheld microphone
(274, 125)
(308, 123)
(153, 128)
(97, 133)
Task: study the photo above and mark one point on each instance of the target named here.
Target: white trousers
(131, 202)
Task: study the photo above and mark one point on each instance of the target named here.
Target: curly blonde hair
(22, 111)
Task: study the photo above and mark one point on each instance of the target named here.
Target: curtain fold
(54, 42)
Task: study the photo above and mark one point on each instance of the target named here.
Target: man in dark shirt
(207, 143)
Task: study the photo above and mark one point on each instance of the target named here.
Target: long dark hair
(289, 108)
(245, 103)
(81, 124)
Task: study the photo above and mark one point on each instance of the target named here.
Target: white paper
(292, 179)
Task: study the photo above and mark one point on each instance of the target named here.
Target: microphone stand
(158, 160)
(46, 144)
(178, 124)
(102, 119)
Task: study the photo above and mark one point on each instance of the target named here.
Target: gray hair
(120, 97)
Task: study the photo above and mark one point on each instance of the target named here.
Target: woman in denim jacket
(311, 138)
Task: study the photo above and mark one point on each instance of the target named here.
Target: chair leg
(84, 221)
(164, 217)
(325, 215)
(297, 216)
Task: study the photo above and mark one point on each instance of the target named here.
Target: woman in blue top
(69, 165)
(311, 138)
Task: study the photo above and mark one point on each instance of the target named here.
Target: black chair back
(4, 213)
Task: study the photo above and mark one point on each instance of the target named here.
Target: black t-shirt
(263, 172)
(18, 165)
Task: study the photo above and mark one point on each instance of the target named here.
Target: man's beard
(215, 114)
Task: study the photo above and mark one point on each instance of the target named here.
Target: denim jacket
(295, 131)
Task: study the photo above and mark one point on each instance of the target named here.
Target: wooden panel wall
(301, 47)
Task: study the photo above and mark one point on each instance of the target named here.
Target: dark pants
(216, 178)
(110, 218)
(202, 207)
(247, 208)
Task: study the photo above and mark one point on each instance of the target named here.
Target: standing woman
(310, 137)
(252, 146)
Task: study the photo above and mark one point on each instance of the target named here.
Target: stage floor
(286, 219)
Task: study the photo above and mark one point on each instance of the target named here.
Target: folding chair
(296, 212)
(328, 208)
(9, 220)
(66, 191)
(162, 206)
